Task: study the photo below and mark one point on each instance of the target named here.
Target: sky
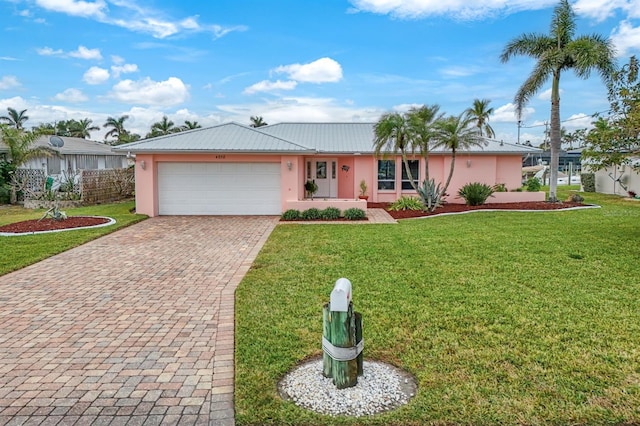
(290, 60)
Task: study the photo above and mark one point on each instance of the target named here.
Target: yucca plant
(431, 194)
(476, 193)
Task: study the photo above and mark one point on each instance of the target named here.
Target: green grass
(502, 317)
(19, 251)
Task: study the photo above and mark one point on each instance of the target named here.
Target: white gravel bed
(381, 388)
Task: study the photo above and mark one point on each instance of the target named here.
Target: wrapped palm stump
(342, 341)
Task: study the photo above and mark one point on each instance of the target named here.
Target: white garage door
(219, 188)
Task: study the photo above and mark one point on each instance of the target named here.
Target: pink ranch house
(232, 169)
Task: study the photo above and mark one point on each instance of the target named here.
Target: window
(386, 174)
(413, 166)
(321, 169)
(112, 162)
(53, 166)
(87, 162)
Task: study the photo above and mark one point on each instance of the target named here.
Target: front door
(323, 172)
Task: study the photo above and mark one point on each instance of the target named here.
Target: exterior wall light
(289, 165)
(143, 165)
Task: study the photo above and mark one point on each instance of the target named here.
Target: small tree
(616, 140)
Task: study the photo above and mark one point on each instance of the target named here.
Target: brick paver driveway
(133, 328)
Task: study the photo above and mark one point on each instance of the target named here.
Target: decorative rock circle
(381, 388)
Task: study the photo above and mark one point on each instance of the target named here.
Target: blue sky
(288, 60)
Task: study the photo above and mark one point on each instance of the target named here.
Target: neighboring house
(75, 154)
(568, 161)
(619, 180)
(236, 169)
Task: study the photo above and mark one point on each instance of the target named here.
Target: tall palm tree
(257, 121)
(14, 118)
(455, 133)
(190, 125)
(421, 128)
(393, 135)
(82, 128)
(480, 111)
(556, 52)
(117, 128)
(162, 127)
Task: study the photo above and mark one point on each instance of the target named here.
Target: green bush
(311, 214)
(588, 181)
(330, 213)
(533, 185)
(475, 193)
(407, 203)
(291, 214)
(354, 214)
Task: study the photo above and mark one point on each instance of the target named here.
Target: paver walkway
(133, 328)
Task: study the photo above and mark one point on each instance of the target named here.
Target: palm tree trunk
(555, 137)
(453, 164)
(408, 170)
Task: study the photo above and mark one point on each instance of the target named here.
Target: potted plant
(363, 190)
(311, 187)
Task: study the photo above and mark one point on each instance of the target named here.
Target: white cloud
(458, 71)
(82, 53)
(405, 107)
(600, 10)
(148, 92)
(270, 86)
(299, 109)
(129, 15)
(96, 75)
(47, 51)
(546, 95)
(323, 70)
(85, 53)
(626, 39)
(456, 9)
(578, 121)
(9, 82)
(74, 7)
(116, 70)
(71, 95)
(507, 114)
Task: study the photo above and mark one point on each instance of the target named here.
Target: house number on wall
(220, 157)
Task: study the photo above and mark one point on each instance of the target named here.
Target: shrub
(330, 213)
(577, 198)
(311, 214)
(533, 185)
(500, 187)
(588, 181)
(407, 203)
(475, 193)
(354, 214)
(291, 214)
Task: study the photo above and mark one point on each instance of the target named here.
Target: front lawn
(19, 251)
(503, 317)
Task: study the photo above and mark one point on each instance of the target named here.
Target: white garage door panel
(219, 188)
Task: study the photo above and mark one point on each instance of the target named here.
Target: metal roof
(73, 146)
(228, 137)
(330, 138)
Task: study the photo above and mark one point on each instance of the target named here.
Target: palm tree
(190, 125)
(480, 113)
(455, 133)
(421, 126)
(556, 52)
(82, 128)
(14, 118)
(258, 122)
(162, 127)
(393, 135)
(117, 128)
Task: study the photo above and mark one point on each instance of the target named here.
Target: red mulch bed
(49, 224)
(457, 208)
